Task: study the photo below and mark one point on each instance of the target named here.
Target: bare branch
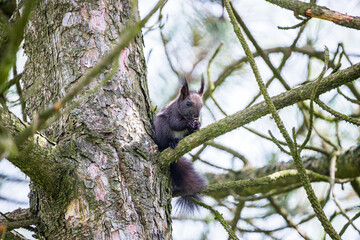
(218, 217)
(286, 216)
(285, 50)
(231, 151)
(321, 12)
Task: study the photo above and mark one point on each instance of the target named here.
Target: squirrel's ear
(201, 90)
(184, 91)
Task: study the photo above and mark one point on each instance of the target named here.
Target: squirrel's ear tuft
(184, 91)
(201, 90)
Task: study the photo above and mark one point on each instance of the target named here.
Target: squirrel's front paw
(197, 125)
(194, 125)
(173, 143)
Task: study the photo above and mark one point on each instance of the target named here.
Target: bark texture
(112, 191)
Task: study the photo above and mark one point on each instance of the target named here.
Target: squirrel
(176, 120)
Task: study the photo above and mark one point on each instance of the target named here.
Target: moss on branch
(37, 156)
(281, 175)
(257, 111)
(265, 184)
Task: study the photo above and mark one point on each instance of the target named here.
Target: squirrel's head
(189, 101)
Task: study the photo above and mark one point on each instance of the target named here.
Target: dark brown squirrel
(176, 120)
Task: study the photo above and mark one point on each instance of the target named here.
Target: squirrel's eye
(188, 103)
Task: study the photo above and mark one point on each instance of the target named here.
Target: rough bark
(37, 157)
(117, 193)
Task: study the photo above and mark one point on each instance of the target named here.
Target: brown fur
(179, 118)
(175, 121)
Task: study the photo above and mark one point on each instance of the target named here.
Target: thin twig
(274, 140)
(337, 114)
(218, 217)
(320, 150)
(210, 164)
(231, 151)
(286, 216)
(355, 101)
(332, 183)
(164, 43)
(293, 148)
(312, 97)
(348, 223)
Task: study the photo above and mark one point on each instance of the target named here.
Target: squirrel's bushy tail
(186, 181)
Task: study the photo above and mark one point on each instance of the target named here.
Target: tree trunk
(113, 190)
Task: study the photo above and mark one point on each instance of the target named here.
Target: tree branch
(282, 175)
(312, 10)
(37, 158)
(307, 50)
(19, 218)
(287, 217)
(13, 235)
(15, 37)
(257, 111)
(128, 35)
(272, 182)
